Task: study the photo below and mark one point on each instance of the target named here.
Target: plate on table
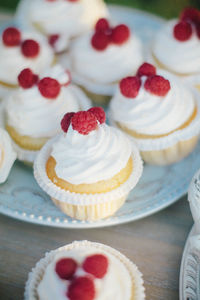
(159, 187)
(189, 283)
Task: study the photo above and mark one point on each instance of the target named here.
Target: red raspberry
(190, 14)
(66, 268)
(130, 86)
(11, 37)
(198, 30)
(49, 87)
(53, 39)
(27, 79)
(157, 85)
(73, 0)
(84, 122)
(100, 40)
(102, 25)
(183, 31)
(81, 288)
(96, 265)
(146, 69)
(99, 114)
(30, 48)
(66, 120)
(120, 34)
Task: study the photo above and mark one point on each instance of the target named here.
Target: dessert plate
(189, 281)
(159, 187)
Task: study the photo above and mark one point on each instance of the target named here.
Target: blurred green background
(165, 8)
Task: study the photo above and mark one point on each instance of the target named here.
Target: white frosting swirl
(62, 17)
(108, 66)
(116, 284)
(180, 57)
(153, 115)
(12, 61)
(91, 158)
(7, 155)
(33, 115)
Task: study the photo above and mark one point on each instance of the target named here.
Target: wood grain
(155, 244)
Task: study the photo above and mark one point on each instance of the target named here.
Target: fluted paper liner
(30, 155)
(83, 199)
(36, 274)
(193, 129)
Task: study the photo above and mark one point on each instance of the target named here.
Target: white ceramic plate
(189, 282)
(21, 197)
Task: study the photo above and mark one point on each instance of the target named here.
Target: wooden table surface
(155, 244)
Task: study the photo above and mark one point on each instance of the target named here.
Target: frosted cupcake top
(63, 19)
(85, 273)
(177, 44)
(7, 155)
(37, 107)
(20, 50)
(88, 149)
(154, 102)
(107, 54)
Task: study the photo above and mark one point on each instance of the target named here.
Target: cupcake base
(91, 212)
(171, 154)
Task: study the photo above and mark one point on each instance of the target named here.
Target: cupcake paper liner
(83, 199)
(36, 274)
(23, 154)
(193, 129)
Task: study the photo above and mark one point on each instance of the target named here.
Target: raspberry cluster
(84, 121)
(154, 84)
(82, 287)
(189, 21)
(12, 38)
(105, 35)
(48, 87)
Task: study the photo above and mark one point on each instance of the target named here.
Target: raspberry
(84, 122)
(182, 31)
(99, 114)
(30, 48)
(146, 69)
(157, 85)
(81, 288)
(96, 265)
(66, 268)
(120, 34)
(130, 86)
(49, 87)
(102, 25)
(66, 120)
(100, 41)
(11, 37)
(190, 14)
(27, 79)
(53, 39)
(198, 30)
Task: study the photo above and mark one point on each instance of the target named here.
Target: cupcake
(107, 55)
(20, 50)
(176, 47)
(85, 270)
(34, 111)
(60, 20)
(90, 168)
(159, 113)
(7, 155)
